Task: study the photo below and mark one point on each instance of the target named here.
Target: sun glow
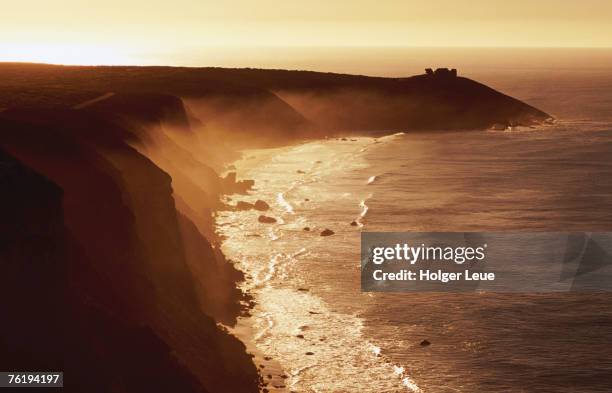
(67, 54)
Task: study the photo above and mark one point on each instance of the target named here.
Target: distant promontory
(277, 105)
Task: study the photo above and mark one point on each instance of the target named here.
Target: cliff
(97, 241)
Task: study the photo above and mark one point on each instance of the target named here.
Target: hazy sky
(98, 29)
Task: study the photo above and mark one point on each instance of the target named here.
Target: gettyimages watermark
(486, 261)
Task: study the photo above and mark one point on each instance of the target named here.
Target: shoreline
(244, 329)
(284, 376)
(273, 376)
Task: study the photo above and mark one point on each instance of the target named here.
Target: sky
(117, 31)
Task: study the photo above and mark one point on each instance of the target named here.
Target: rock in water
(327, 232)
(354, 223)
(266, 219)
(261, 205)
(425, 343)
(307, 229)
(242, 205)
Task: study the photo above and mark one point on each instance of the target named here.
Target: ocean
(313, 328)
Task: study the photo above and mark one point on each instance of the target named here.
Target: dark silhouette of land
(111, 269)
(274, 103)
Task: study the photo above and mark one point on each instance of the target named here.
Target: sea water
(310, 315)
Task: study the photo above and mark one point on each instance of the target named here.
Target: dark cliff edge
(128, 284)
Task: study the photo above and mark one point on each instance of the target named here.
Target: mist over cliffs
(130, 286)
(273, 105)
(110, 177)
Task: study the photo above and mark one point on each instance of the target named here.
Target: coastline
(288, 310)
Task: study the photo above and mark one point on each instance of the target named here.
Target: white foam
(302, 251)
(398, 370)
(411, 385)
(272, 235)
(280, 198)
(344, 360)
(362, 214)
(332, 367)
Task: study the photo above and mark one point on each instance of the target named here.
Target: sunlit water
(310, 315)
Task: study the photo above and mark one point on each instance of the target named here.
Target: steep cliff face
(159, 127)
(176, 148)
(258, 117)
(136, 110)
(127, 272)
(61, 314)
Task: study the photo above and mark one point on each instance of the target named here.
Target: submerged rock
(425, 343)
(354, 223)
(307, 229)
(327, 232)
(266, 219)
(300, 171)
(261, 205)
(309, 353)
